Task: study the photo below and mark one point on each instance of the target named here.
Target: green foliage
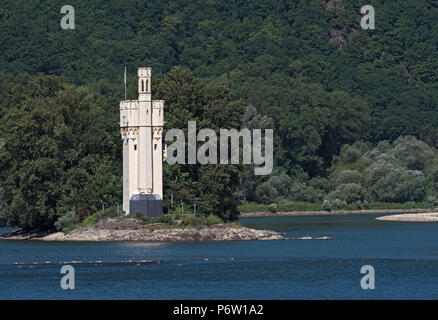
(211, 105)
(326, 205)
(327, 103)
(200, 221)
(395, 184)
(166, 218)
(432, 201)
(96, 217)
(273, 208)
(67, 221)
(348, 192)
(401, 171)
(252, 207)
(349, 176)
(52, 160)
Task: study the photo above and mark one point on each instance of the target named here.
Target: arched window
(147, 85)
(142, 86)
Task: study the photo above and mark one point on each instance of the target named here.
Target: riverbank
(131, 229)
(412, 217)
(328, 213)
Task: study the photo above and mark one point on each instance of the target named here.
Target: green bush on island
(183, 220)
(67, 221)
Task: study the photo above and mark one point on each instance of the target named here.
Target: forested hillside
(303, 67)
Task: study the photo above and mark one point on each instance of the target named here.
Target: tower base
(148, 205)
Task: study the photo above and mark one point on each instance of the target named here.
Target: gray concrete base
(148, 205)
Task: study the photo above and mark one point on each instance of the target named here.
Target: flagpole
(125, 83)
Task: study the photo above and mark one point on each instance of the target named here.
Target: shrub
(273, 208)
(337, 204)
(390, 183)
(265, 193)
(276, 187)
(302, 193)
(349, 192)
(83, 213)
(213, 219)
(67, 221)
(200, 221)
(358, 204)
(281, 183)
(252, 207)
(349, 176)
(326, 205)
(365, 204)
(432, 201)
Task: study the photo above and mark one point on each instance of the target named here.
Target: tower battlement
(144, 72)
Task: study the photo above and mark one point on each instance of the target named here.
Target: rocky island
(131, 229)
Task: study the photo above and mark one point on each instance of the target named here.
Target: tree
(211, 106)
(51, 156)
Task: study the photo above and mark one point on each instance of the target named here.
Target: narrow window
(142, 86)
(155, 146)
(135, 147)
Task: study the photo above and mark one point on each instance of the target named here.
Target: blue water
(404, 256)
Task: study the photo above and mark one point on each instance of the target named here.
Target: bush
(276, 187)
(200, 221)
(212, 220)
(432, 201)
(349, 176)
(389, 183)
(326, 205)
(300, 192)
(265, 193)
(337, 204)
(349, 192)
(358, 204)
(365, 204)
(67, 221)
(252, 207)
(273, 208)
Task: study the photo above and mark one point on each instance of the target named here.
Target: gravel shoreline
(412, 217)
(327, 213)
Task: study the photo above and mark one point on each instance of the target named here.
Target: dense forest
(354, 112)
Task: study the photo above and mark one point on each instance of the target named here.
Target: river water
(404, 256)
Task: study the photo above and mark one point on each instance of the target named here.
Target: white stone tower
(141, 126)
